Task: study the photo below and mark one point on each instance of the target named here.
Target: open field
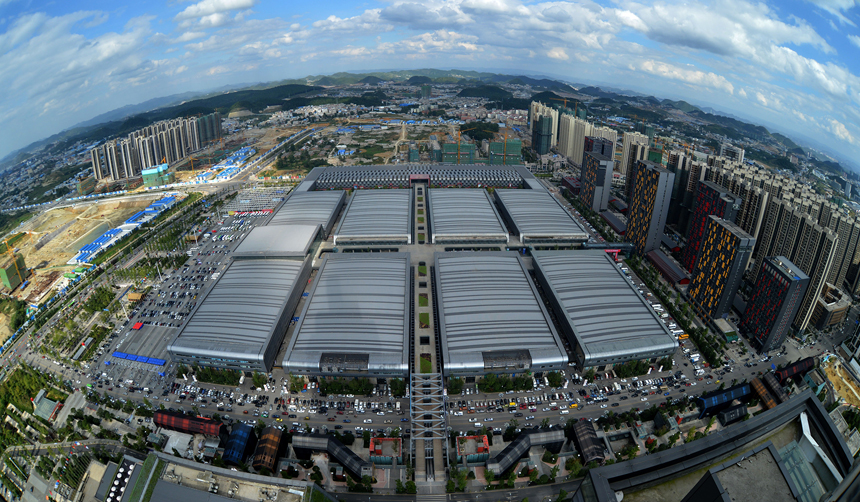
(44, 251)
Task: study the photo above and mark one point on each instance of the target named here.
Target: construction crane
(575, 106)
(459, 136)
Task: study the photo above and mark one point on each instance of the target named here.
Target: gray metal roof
(536, 214)
(377, 215)
(487, 304)
(359, 304)
(238, 317)
(464, 213)
(608, 317)
(310, 208)
(277, 241)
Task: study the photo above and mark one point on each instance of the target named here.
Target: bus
(684, 336)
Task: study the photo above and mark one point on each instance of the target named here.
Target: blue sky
(791, 65)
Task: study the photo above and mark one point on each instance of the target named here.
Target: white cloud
(837, 7)
(189, 36)
(209, 7)
(742, 93)
(215, 70)
(839, 129)
(696, 77)
(760, 98)
(854, 39)
(558, 53)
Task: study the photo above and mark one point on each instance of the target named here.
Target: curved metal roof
(537, 214)
(310, 208)
(358, 304)
(377, 215)
(237, 318)
(464, 213)
(607, 316)
(277, 241)
(487, 304)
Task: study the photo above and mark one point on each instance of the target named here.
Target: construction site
(843, 383)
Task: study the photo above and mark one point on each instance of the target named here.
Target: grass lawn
(420, 211)
(420, 220)
(422, 269)
(424, 319)
(420, 199)
(420, 237)
(423, 301)
(426, 366)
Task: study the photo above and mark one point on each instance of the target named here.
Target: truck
(397, 406)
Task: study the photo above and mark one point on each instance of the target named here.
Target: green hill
(485, 91)
(370, 79)
(419, 80)
(680, 105)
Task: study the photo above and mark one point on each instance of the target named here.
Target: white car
(473, 420)
(644, 399)
(368, 421)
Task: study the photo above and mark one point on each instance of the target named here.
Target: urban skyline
(793, 64)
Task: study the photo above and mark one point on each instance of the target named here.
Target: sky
(791, 65)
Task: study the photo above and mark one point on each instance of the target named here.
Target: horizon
(791, 67)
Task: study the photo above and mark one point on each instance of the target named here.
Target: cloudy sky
(792, 63)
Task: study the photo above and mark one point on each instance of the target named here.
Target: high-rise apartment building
(814, 254)
(732, 153)
(596, 181)
(711, 199)
(648, 205)
(634, 146)
(538, 110)
(572, 133)
(725, 252)
(773, 305)
(542, 134)
(167, 141)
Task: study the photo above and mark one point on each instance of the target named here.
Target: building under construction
(13, 271)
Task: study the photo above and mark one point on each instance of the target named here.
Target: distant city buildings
(167, 141)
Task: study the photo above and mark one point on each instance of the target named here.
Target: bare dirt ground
(843, 383)
(57, 251)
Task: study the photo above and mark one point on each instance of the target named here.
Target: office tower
(648, 205)
(538, 110)
(634, 146)
(732, 153)
(773, 305)
(596, 181)
(426, 91)
(602, 146)
(725, 251)
(542, 134)
(609, 134)
(831, 308)
(711, 199)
